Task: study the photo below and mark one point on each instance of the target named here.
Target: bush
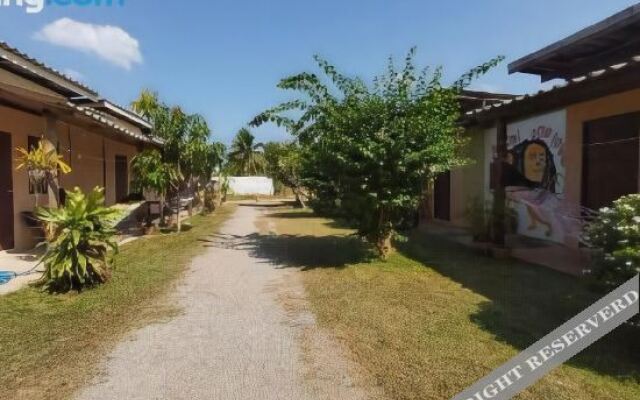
(481, 217)
(79, 241)
(210, 199)
(615, 235)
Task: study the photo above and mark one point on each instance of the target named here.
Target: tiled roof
(7, 47)
(101, 118)
(580, 80)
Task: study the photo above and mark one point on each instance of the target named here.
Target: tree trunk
(299, 200)
(162, 197)
(427, 201)
(384, 245)
(53, 191)
(383, 236)
(178, 205)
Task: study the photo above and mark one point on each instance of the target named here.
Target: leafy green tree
(245, 156)
(151, 172)
(283, 163)
(186, 137)
(187, 147)
(373, 148)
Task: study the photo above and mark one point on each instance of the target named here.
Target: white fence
(251, 185)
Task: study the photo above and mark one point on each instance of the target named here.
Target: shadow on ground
(293, 251)
(526, 302)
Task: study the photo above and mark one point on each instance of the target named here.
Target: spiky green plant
(79, 241)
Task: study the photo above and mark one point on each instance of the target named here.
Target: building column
(51, 142)
(499, 193)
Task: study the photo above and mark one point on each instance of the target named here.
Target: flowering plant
(615, 234)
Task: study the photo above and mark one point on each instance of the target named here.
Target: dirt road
(236, 338)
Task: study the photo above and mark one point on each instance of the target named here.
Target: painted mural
(535, 177)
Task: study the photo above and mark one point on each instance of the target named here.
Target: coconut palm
(246, 157)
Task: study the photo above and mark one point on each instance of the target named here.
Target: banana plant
(79, 243)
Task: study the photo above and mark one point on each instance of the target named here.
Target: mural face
(535, 177)
(535, 162)
(533, 165)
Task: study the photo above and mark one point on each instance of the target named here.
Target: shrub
(478, 215)
(210, 197)
(79, 242)
(481, 217)
(615, 235)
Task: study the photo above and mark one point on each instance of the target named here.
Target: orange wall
(580, 113)
(80, 148)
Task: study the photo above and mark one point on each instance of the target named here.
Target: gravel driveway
(234, 340)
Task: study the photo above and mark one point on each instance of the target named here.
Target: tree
(283, 162)
(245, 156)
(151, 172)
(187, 149)
(372, 148)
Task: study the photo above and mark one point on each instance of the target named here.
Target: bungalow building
(96, 137)
(562, 153)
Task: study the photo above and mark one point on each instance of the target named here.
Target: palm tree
(146, 104)
(246, 157)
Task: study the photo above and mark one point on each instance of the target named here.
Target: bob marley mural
(535, 177)
(533, 166)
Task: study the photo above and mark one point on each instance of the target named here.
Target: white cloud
(108, 42)
(486, 87)
(73, 74)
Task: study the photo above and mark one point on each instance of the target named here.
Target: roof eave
(532, 63)
(21, 64)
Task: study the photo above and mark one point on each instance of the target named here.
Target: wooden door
(442, 197)
(122, 178)
(6, 193)
(610, 159)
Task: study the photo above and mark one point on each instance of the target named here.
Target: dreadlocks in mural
(532, 180)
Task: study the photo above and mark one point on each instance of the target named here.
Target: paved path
(234, 340)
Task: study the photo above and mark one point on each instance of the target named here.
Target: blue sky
(223, 59)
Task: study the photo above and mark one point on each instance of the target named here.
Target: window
(41, 188)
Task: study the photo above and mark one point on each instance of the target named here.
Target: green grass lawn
(436, 316)
(51, 345)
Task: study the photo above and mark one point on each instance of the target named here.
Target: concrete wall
(250, 185)
(84, 151)
(467, 183)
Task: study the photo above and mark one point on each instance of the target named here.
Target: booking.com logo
(36, 6)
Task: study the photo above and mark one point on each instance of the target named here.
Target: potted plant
(43, 163)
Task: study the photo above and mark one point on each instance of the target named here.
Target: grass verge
(51, 345)
(436, 317)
